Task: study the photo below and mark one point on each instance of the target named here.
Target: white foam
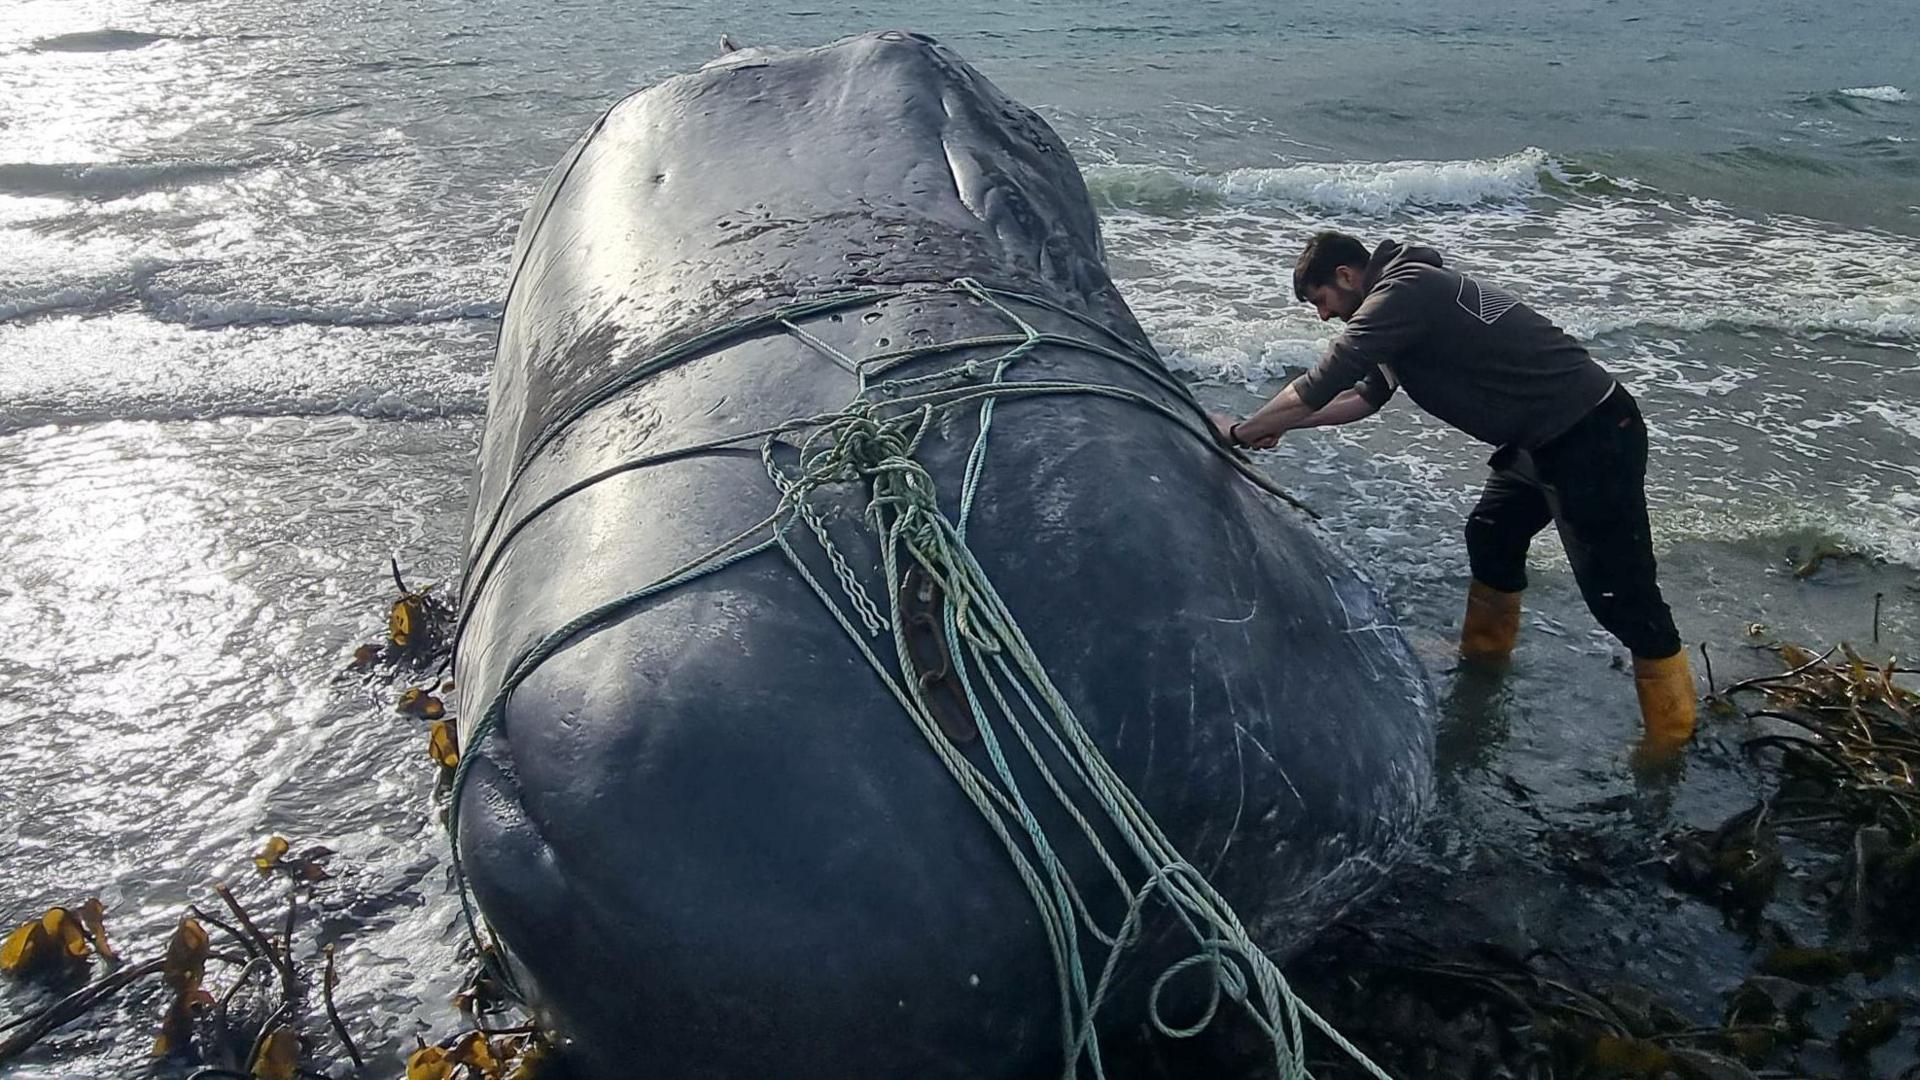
(211, 243)
(1247, 355)
(108, 179)
(1876, 93)
(1882, 318)
(74, 369)
(38, 277)
(1215, 286)
(204, 312)
(1645, 274)
(41, 298)
(134, 285)
(195, 287)
(1900, 415)
(1370, 188)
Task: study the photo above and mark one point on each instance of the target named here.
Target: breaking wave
(58, 373)
(109, 179)
(154, 287)
(108, 40)
(1370, 188)
(1876, 93)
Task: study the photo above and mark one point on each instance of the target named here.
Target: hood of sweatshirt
(1391, 255)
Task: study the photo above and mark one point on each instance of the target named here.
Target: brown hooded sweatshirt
(1471, 354)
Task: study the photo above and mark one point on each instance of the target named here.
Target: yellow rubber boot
(1665, 688)
(1491, 625)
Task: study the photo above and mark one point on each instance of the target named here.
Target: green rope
(873, 440)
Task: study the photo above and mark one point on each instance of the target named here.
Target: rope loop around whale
(1013, 704)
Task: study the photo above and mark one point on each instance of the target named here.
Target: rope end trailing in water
(874, 440)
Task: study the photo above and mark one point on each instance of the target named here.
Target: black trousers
(1591, 483)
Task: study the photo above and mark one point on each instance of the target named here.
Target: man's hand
(1223, 428)
(1259, 442)
(1224, 425)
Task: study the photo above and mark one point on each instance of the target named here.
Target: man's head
(1331, 274)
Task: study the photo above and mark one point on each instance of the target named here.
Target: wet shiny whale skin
(711, 842)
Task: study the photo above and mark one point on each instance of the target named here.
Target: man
(1571, 446)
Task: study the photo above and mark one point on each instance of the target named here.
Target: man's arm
(1351, 405)
(1388, 323)
(1286, 412)
(1391, 320)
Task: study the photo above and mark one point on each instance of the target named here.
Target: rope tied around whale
(1014, 705)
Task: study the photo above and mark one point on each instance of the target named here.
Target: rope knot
(866, 443)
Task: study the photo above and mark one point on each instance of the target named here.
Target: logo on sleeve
(1484, 302)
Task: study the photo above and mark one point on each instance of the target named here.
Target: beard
(1349, 301)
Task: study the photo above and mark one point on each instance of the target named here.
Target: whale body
(706, 833)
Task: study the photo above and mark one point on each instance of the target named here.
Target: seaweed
(421, 626)
(261, 1035)
(244, 1008)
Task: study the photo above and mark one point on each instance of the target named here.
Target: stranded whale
(705, 828)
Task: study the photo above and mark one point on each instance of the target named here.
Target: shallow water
(251, 257)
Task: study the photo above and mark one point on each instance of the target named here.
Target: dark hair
(1326, 252)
